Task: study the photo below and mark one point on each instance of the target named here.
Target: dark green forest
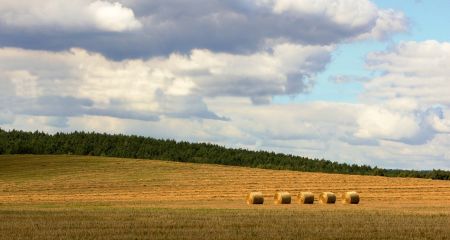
(96, 144)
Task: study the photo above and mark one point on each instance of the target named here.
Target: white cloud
(69, 15)
(289, 69)
(168, 26)
(317, 129)
(362, 16)
(24, 82)
(409, 100)
(417, 70)
(175, 85)
(113, 16)
(403, 119)
(344, 12)
(308, 129)
(387, 22)
(439, 120)
(225, 60)
(293, 121)
(381, 123)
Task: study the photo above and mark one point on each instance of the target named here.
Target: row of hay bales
(304, 198)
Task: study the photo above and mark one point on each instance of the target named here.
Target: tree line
(96, 144)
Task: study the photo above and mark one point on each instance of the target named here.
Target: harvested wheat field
(108, 198)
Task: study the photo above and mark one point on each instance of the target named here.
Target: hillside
(82, 197)
(94, 144)
(61, 179)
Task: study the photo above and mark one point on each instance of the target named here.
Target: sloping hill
(123, 146)
(79, 197)
(62, 179)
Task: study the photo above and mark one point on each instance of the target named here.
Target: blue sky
(356, 81)
(427, 20)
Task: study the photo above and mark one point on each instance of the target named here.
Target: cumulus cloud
(376, 122)
(439, 120)
(409, 101)
(78, 82)
(338, 11)
(387, 22)
(416, 70)
(411, 127)
(315, 121)
(77, 15)
(113, 16)
(213, 67)
(286, 70)
(400, 120)
(167, 26)
(316, 129)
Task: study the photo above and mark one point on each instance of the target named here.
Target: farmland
(81, 197)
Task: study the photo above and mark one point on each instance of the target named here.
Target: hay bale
(327, 198)
(255, 198)
(306, 198)
(350, 198)
(282, 198)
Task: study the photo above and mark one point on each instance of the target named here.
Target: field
(75, 197)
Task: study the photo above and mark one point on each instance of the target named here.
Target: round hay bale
(255, 198)
(306, 198)
(327, 198)
(350, 198)
(282, 198)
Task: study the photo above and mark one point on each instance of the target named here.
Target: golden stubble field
(127, 199)
(66, 179)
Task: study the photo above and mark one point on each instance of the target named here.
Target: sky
(355, 81)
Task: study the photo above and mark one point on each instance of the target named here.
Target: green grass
(220, 224)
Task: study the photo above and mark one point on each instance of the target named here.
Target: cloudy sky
(354, 81)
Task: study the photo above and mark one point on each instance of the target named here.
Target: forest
(101, 144)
